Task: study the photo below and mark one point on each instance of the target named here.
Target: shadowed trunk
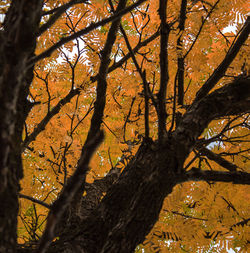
(130, 207)
(18, 42)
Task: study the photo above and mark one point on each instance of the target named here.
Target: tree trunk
(129, 209)
(18, 42)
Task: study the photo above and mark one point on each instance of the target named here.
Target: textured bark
(18, 43)
(130, 208)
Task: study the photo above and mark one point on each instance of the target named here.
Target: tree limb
(135, 50)
(41, 126)
(164, 76)
(180, 60)
(201, 27)
(232, 99)
(75, 186)
(34, 200)
(84, 31)
(218, 159)
(74, 183)
(58, 12)
(196, 174)
(230, 56)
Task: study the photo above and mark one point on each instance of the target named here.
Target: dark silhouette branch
(201, 27)
(230, 56)
(74, 188)
(84, 31)
(185, 215)
(179, 77)
(42, 203)
(218, 159)
(57, 14)
(164, 75)
(71, 188)
(196, 174)
(102, 74)
(143, 77)
(41, 126)
(232, 99)
(129, 55)
(180, 60)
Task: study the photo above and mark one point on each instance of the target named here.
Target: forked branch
(84, 31)
(218, 159)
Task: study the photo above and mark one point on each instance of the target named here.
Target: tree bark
(130, 208)
(18, 42)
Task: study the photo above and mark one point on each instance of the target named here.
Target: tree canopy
(124, 126)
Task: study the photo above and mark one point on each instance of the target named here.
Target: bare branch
(73, 184)
(185, 215)
(143, 77)
(128, 55)
(41, 126)
(179, 78)
(201, 27)
(34, 200)
(102, 74)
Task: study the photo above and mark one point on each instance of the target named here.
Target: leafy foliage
(196, 216)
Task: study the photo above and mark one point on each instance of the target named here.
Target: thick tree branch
(231, 99)
(102, 74)
(84, 31)
(75, 186)
(218, 159)
(221, 69)
(238, 177)
(179, 77)
(18, 43)
(41, 126)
